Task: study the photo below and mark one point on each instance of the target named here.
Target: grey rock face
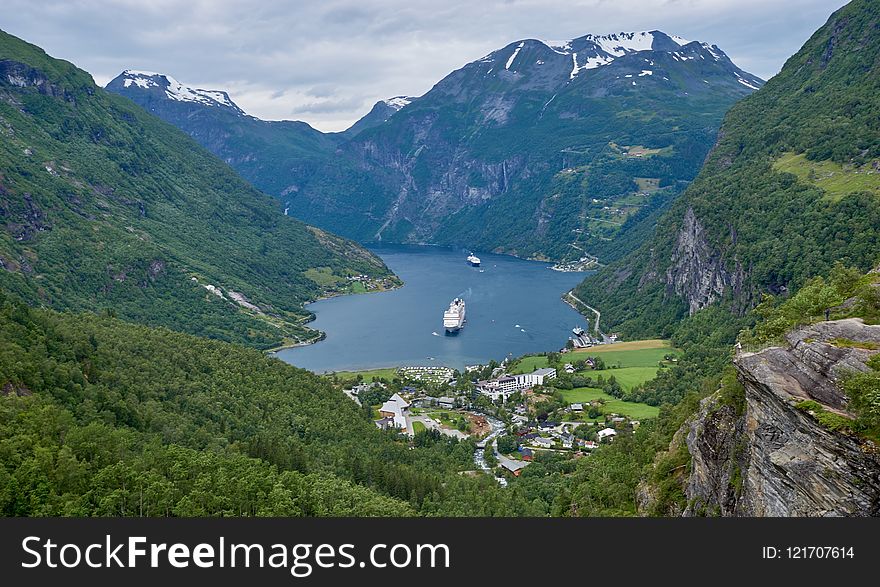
(697, 272)
(776, 459)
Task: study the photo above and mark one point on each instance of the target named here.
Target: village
(562, 404)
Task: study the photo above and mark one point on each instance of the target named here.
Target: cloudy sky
(327, 61)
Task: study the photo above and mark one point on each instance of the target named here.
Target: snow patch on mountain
(513, 55)
(746, 83)
(398, 102)
(590, 63)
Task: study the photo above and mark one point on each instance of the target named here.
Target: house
(567, 441)
(588, 444)
(635, 424)
(576, 407)
(607, 433)
(514, 467)
(527, 454)
(569, 368)
(543, 442)
(618, 420)
(397, 409)
(548, 425)
(446, 402)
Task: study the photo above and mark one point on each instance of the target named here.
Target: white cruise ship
(453, 317)
(473, 260)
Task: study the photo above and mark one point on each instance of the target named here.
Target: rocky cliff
(772, 455)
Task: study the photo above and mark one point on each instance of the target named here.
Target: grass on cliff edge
(835, 179)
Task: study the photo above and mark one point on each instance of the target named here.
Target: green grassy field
(634, 358)
(629, 377)
(529, 364)
(837, 180)
(612, 404)
(369, 376)
(418, 427)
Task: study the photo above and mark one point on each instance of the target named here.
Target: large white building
(537, 377)
(501, 388)
(504, 387)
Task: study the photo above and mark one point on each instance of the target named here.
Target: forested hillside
(103, 206)
(102, 417)
(791, 188)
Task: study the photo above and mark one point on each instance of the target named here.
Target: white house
(607, 433)
(543, 442)
(396, 409)
(576, 407)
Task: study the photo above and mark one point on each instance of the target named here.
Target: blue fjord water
(513, 307)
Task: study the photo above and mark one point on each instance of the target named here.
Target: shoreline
(321, 334)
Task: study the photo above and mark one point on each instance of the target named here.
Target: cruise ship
(473, 260)
(453, 317)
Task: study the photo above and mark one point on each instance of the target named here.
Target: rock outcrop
(697, 272)
(775, 458)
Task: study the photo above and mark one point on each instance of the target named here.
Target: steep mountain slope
(261, 150)
(792, 187)
(103, 206)
(537, 149)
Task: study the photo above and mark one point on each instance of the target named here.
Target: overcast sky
(328, 61)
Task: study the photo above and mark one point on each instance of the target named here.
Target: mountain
(767, 249)
(381, 112)
(540, 149)
(791, 188)
(105, 207)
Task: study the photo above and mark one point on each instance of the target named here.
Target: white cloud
(327, 61)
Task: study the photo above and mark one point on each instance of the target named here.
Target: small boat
(473, 260)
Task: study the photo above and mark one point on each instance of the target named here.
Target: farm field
(369, 376)
(638, 353)
(529, 364)
(612, 404)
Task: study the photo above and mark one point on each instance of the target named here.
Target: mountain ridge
(433, 172)
(165, 233)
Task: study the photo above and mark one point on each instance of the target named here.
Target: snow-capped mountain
(569, 60)
(163, 85)
(540, 148)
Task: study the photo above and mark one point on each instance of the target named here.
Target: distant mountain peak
(592, 51)
(152, 81)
